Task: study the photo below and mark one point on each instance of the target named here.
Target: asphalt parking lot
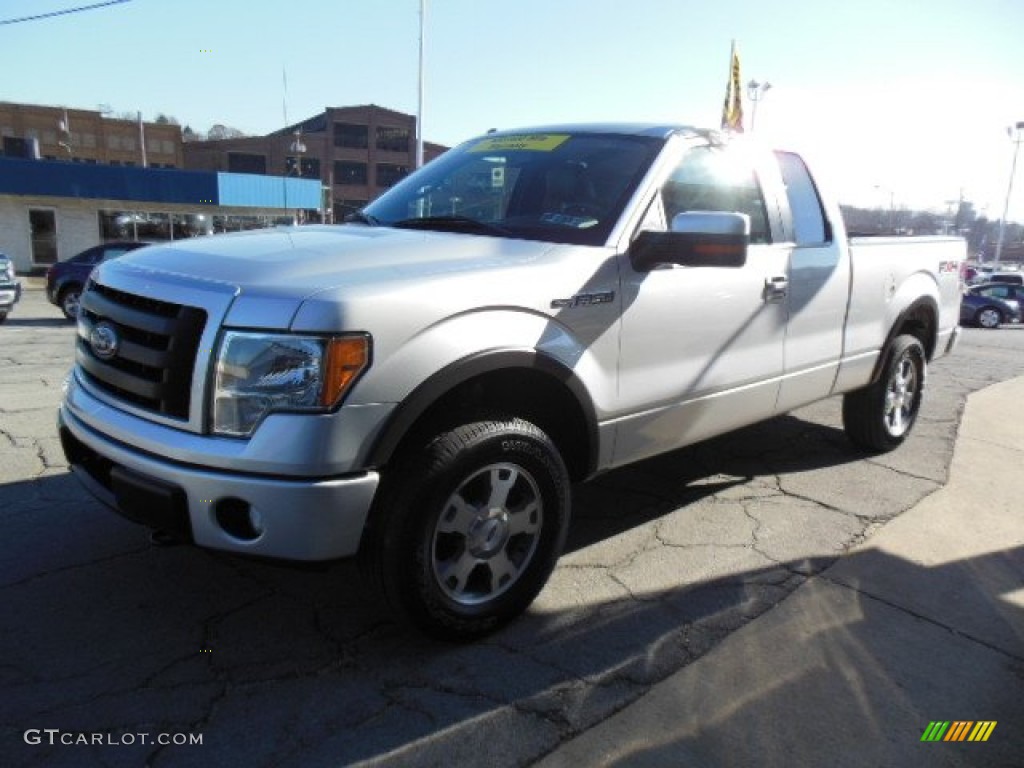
(116, 645)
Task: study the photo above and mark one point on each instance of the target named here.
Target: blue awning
(50, 178)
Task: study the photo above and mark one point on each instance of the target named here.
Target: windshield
(558, 187)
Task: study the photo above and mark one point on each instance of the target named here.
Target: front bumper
(288, 518)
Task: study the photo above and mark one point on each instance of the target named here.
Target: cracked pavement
(106, 633)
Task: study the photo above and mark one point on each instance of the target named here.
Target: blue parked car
(66, 279)
(991, 305)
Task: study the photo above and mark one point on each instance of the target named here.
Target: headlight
(259, 373)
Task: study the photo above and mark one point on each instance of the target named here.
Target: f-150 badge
(584, 300)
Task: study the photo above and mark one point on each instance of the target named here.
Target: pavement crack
(196, 726)
(925, 618)
(904, 472)
(74, 567)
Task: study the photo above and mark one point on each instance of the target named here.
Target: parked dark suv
(65, 279)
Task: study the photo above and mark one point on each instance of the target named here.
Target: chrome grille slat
(132, 318)
(117, 378)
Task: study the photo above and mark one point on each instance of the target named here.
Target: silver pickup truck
(422, 385)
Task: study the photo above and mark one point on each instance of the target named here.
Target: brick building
(86, 136)
(356, 153)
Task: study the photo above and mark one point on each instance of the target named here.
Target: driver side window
(715, 179)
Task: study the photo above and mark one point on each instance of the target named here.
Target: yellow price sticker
(531, 142)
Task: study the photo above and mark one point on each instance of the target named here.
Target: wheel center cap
(488, 533)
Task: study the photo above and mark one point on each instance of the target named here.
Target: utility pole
(419, 108)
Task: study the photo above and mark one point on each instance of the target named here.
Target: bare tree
(218, 132)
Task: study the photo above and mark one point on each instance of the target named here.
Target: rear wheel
(880, 416)
(988, 317)
(469, 528)
(3, 316)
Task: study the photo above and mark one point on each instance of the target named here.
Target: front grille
(156, 350)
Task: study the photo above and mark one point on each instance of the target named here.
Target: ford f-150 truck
(421, 385)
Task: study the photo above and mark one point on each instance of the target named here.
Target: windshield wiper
(452, 224)
(358, 217)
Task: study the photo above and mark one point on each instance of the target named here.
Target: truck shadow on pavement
(850, 670)
(38, 322)
(105, 633)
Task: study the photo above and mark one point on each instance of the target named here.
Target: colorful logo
(958, 730)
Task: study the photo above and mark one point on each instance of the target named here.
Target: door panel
(819, 287)
(702, 352)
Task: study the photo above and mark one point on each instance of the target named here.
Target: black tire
(880, 416)
(988, 317)
(68, 300)
(3, 316)
(468, 529)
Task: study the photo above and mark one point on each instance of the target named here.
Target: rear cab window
(810, 225)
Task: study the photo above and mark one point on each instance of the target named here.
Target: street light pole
(1015, 133)
(755, 92)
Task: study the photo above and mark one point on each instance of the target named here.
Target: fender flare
(443, 381)
(925, 302)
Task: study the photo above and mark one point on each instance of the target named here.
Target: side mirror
(696, 239)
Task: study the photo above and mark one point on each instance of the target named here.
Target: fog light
(238, 518)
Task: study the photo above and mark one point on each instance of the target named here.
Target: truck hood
(265, 276)
(297, 262)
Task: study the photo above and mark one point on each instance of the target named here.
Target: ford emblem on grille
(104, 341)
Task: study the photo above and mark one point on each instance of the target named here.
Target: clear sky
(908, 98)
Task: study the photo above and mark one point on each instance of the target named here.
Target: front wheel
(880, 416)
(469, 528)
